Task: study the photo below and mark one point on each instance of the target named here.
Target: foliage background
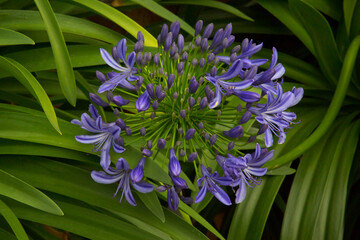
(49, 52)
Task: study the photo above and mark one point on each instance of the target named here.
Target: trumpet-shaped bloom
(124, 175)
(106, 135)
(210, 182)
(231, 87)
(126, 74)
(243, 169)
(272, 113)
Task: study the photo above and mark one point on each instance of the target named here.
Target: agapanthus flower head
(189, 103)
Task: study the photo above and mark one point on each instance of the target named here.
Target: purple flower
(143, 102)
(124, 175)
(243, 169)
(174, 164)
(126, 74)
(107, 133)
(272, 113)
(232, 87)
(210, 182)
(172, 196)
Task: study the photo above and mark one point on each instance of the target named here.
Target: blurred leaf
(6, 235)
(83, 221)
(281, 11)
(348, 8)
(152, 202)
(164, 13)
(19, 20)
(331, 8)
(13, 221)
(284, 170)
(10, 37)
(333, 110)
(49, 175)
(119, 18)
(213, 4)
(30, 82)
(355, 28)
(15, 188)
(319, 29)
(316, 204)
(60, 51)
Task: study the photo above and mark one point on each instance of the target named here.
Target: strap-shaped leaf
(333, 110)
(119, 18)
(29, 81)
(60, 51)
(19, 190)
(13, 221)
(10, 37)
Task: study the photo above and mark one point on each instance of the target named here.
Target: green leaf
(281, 11)
(19, 20)
(333, 110)
(164, 13)
(119, 18)
(284, 170)
(13, 221)
(60, 51)
(331, 8)
(6, 235)
(79, 185)
(348, 8)
(319, 29)
(213, 4)
(83, 221)
(10, 37)
(152, 202)
(30, 82)
(316, 204)
(15, 188)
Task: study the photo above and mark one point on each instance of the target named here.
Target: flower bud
(192, 156)
(156, 59)
(180, 67)
(218, 37)
(173, 50)
(203, 44)
(100, 76)
(142, 131)
(175, 95)
(180, 131)
(97, 100)
(262, 129)
(185, 56)
(213, 139)
(201, 62)
(235, 49)
(161, 143)
(197, 41)
(233, 57)
(170, 80)
(180, 43)
(120, 141)
(231, 145)
(163, 33)
(193, 86)
(209, 93)
(213, 71)
(128, 131)
(179, 182)
(208, 30)
(211, 57)
(207, 136)
(175, 28)
(152, 115)
(235, 132)
(150, 90)
(239, 108)
(251, 139)
(190, 133)
(201, 125)
(155, 105)
(162, 96)
(139, 46)
(191, 102)
(158, 90)
(120, 123)
(119, 101)
(198, 27)
(245, 118)
(182, 153)
(182, 113)
(203, 103)
(168, 41)
(174, 164)
(146, 152)
(149, 144)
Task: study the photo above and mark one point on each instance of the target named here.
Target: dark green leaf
(13, 221)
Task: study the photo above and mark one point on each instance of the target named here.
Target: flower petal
(102, 177)
(143, 187)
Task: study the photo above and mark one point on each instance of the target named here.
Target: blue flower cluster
(189, 102)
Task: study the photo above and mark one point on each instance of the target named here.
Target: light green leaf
(60, 51)
(10, 37)
(152, 202)
(30, 82)
(166, 14)
(284, 170)
(119, 18)
(15, 188)
(13, 221)
(213, 4)
(19, 20)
